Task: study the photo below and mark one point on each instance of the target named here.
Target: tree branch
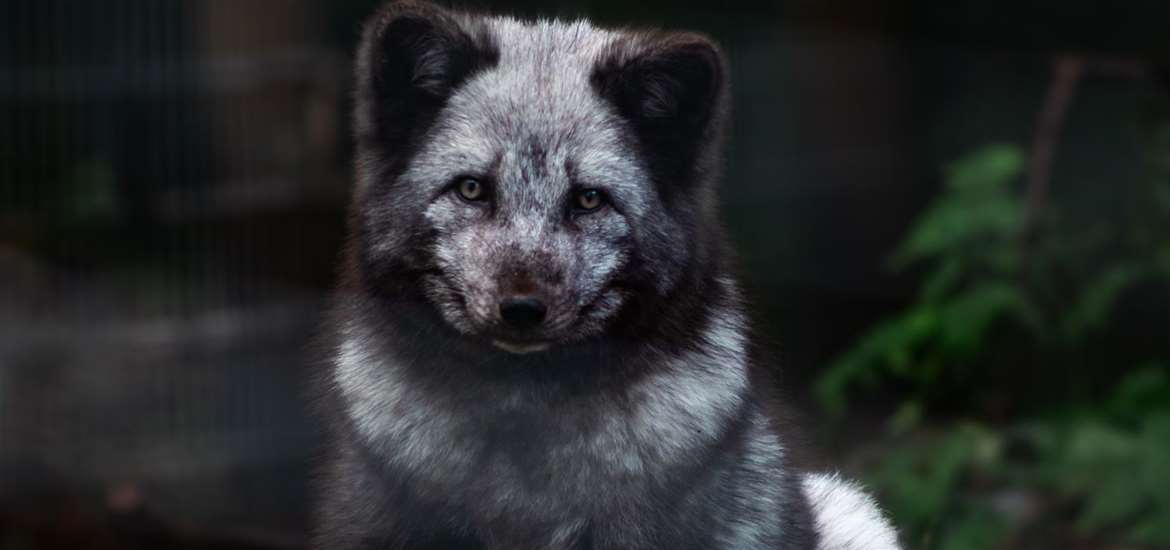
(1066, 74)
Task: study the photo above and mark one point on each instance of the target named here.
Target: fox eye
(588, 199)
(471, 189)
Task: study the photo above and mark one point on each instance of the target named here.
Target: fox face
(534, 183)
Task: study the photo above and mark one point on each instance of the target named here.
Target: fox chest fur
(534, 465)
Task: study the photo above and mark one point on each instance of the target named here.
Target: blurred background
(953, 220)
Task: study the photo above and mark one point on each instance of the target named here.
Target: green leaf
(951, 225)
(1091, 309)
(974, 528)
(1111, 503)
(942, 280)
(908, 417)
(889, 347)
(920, 480)
(978, 206)
(991, 167)
(1142, 392)
(965, 320)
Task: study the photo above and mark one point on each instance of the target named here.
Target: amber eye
(589, 199)
(471, 189)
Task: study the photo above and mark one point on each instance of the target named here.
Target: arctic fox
(538, 340)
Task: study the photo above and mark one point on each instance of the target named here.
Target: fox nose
(522, 312)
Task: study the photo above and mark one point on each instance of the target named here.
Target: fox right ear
(671, 88)
(411, 58)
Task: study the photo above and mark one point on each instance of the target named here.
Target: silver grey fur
(673, 413)
(639, 419)
(538, 96)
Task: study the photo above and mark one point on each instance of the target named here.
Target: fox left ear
(412, 57)
(672, 89)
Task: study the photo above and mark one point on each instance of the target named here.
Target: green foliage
(1116, 460)
(946, 489)
(977, 211)
(920, 480)
(1091, 308)
(971, 242)
(1086, 463)
(973, 228)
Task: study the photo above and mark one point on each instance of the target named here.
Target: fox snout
(524, 295)
(522, 312)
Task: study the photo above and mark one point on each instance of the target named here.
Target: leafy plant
(962, 488)
(986, 269)
(1028, 295)
(970, 239)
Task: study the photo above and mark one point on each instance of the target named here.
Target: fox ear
(411, 58)
(671, 88)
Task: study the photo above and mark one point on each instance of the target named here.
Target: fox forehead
(546, 50)
(534, 121)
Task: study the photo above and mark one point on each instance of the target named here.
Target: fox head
(533, 183)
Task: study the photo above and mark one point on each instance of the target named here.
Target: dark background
(173, 178)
